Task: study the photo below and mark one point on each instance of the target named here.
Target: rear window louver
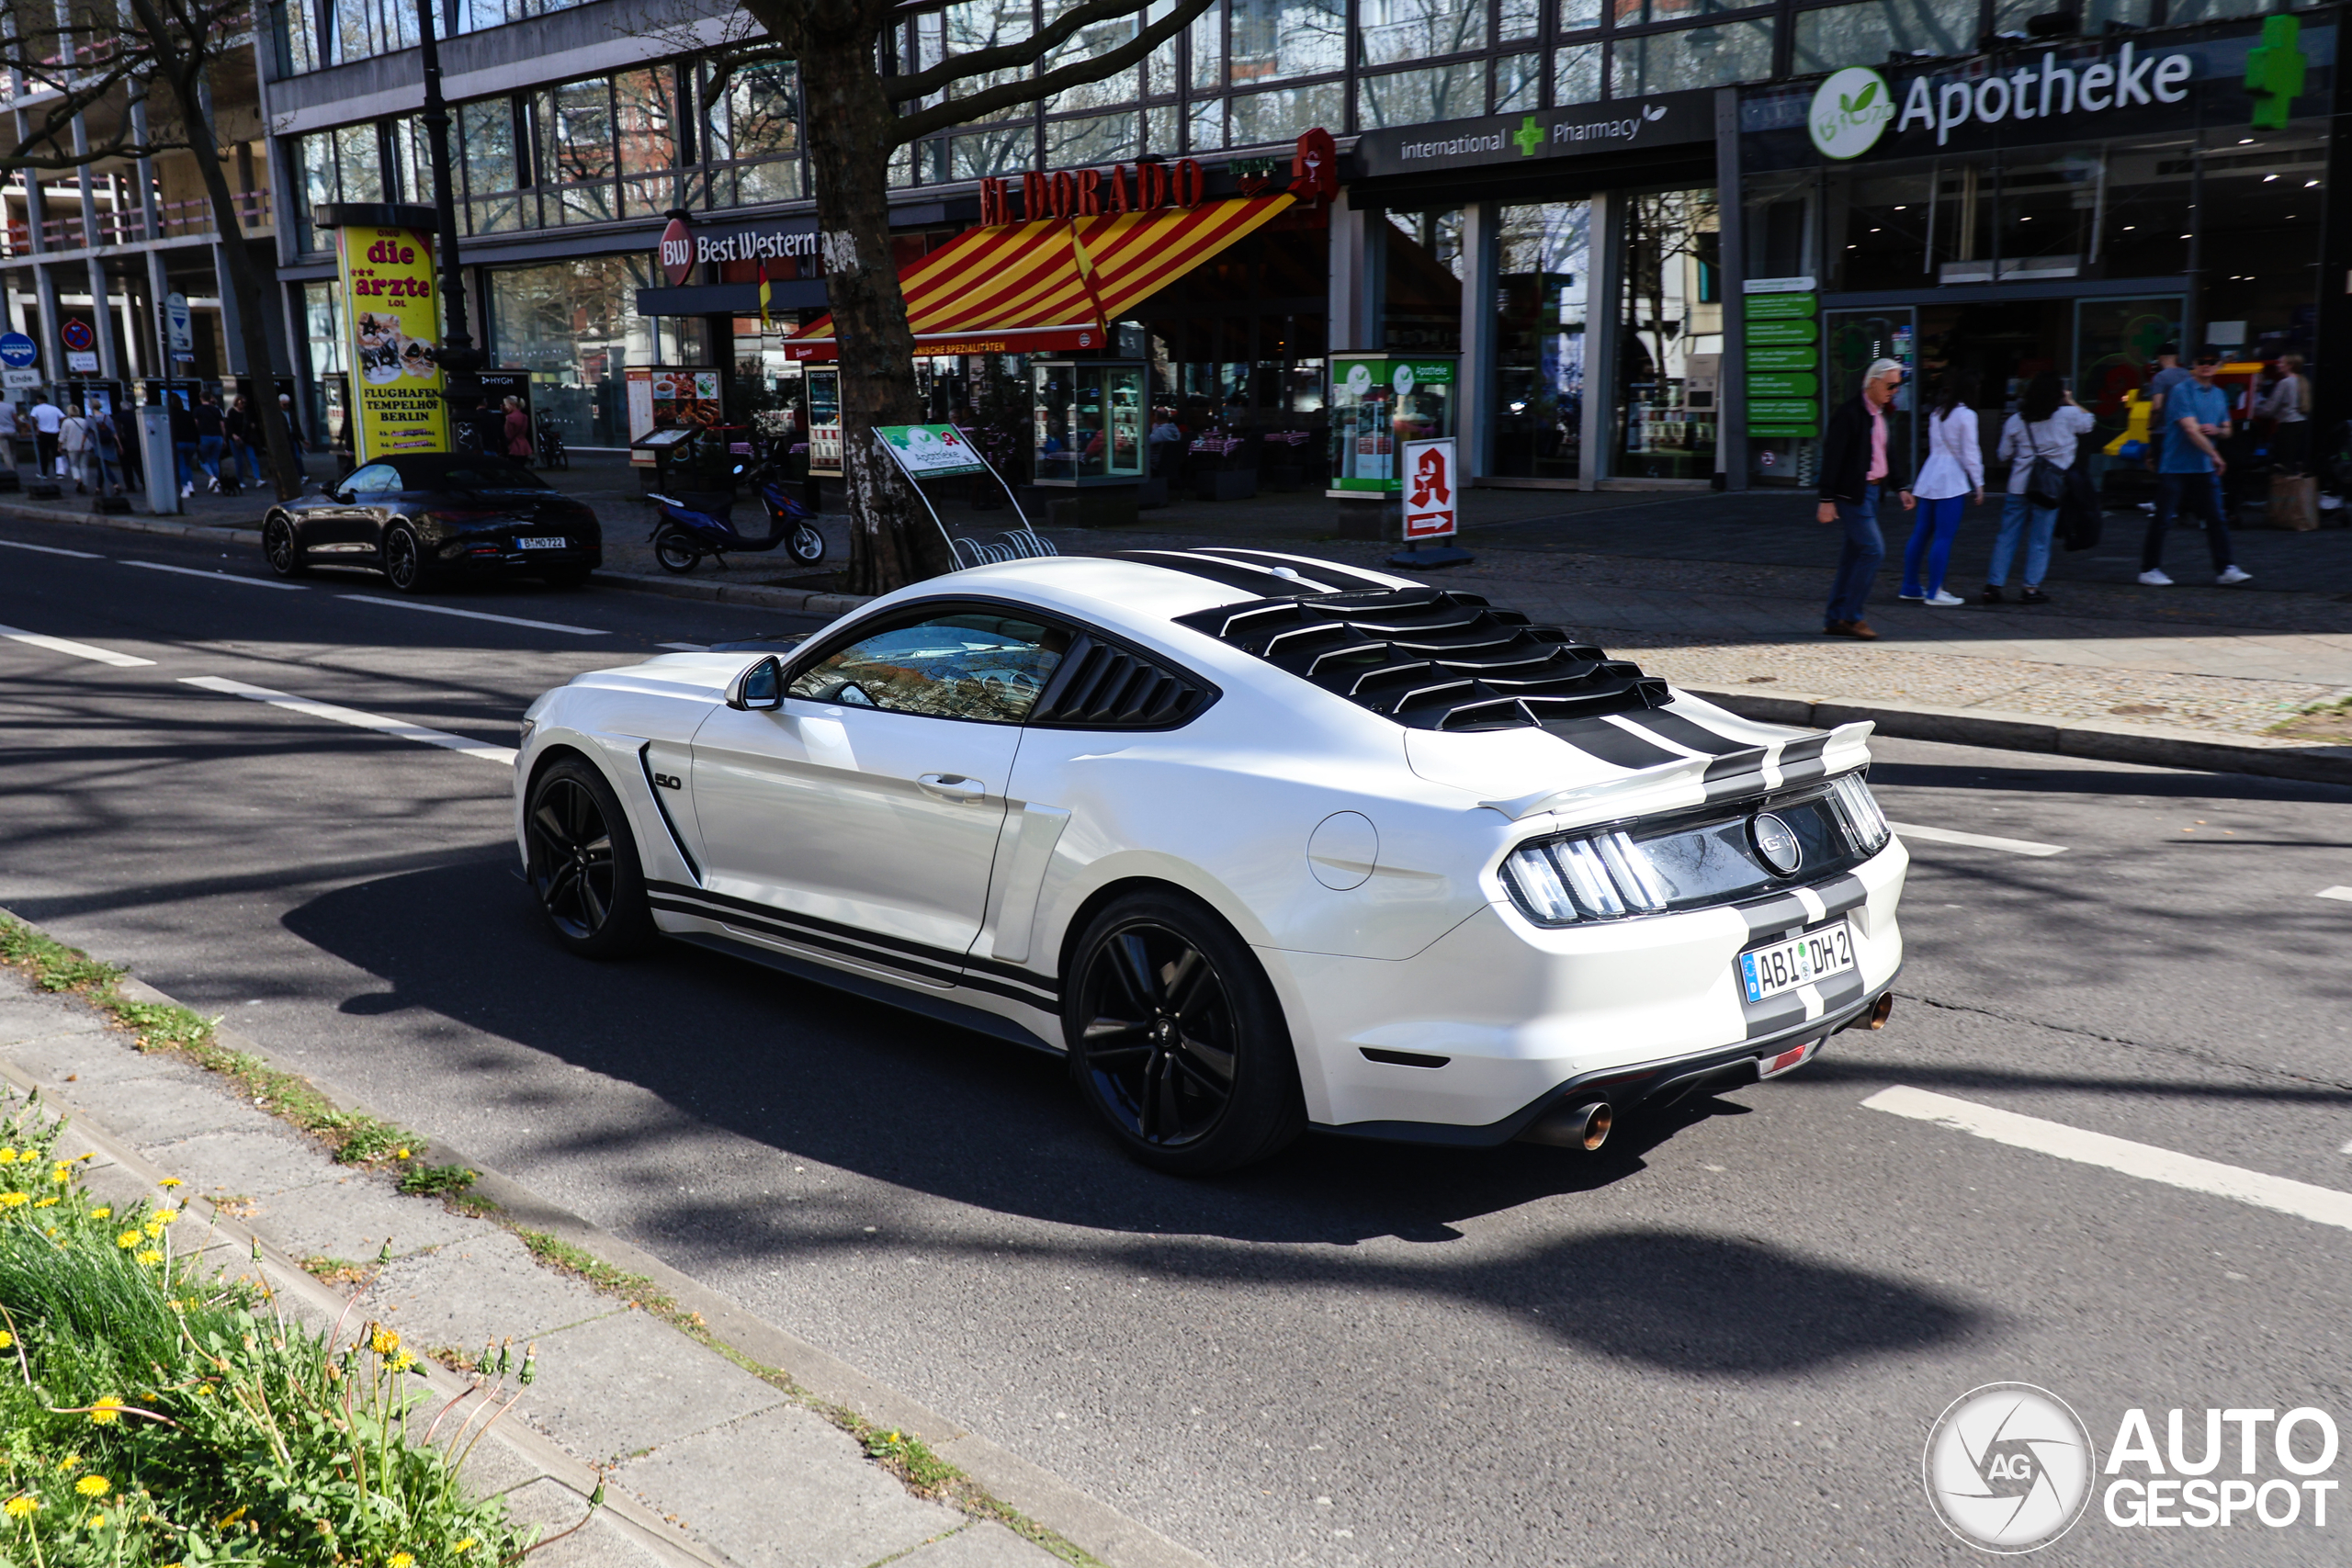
(1100, 686)
(1434, 659)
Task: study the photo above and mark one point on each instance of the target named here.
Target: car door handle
(953, 786)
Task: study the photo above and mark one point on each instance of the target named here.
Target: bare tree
(856, 118)
(142, 77)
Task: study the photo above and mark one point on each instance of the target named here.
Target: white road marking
(2324, 1204)
(215, 576)
(476, 615)
(78, 649)
(52, 550)
(1975, 840)
(2342, 892)
(684, 646)
(353, 716)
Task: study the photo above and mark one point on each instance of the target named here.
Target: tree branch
(1011, 56)
(914, 126)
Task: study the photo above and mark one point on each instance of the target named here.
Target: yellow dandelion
(93, 1485)
(20, 1505)
(151, 1257)
(14, 1200)
(403, 1362)
(44, 1202)
(461, 1548)
(95, 1522)
(171, 1181)
(129, 1240)
(6, 1339)
(9, 1155)
(383, 1341)
(71, 1461)
(403, 1154)
(231, 1518)
(402, 1560)
(102, 1213)
(104, 1412)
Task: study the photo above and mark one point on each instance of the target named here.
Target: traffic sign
(77, 335)
(17, 351)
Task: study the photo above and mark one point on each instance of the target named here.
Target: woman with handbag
(2038, 444)
(1954, 472)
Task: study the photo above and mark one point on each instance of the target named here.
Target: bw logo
(2009, 1467)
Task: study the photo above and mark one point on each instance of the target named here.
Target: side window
(375, 477)
(969, 664)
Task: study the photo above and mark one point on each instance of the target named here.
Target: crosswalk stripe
(353, 716)
(216, 576)
(474, 615)
(52, 550)
(2324, 1205)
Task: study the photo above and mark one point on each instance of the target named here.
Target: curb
(131, 521)
(2095, 738)
(1075, 1514)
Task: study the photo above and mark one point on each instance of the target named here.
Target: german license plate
(1800, 961)
(541, 542)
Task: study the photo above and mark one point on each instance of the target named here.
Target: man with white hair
(1858, 463)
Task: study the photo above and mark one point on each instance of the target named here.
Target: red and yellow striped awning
(1017, 287)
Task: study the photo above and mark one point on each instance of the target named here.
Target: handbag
(2045, 482)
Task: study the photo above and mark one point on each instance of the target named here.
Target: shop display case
(1378, 402)
(1090, 421)
(821, 385)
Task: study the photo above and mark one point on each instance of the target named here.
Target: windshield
(464, 474)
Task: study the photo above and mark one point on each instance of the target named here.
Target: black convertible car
(424, 517)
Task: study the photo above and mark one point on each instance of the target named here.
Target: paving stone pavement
(710, 1465)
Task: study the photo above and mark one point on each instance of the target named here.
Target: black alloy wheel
(1177, 1040)
(281, 548)
(675, 551)
(404, 560)
(584, 865)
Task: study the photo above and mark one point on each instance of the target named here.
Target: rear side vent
(1100, 686)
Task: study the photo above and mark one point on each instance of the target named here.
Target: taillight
(1598, 877)
(1859, 814)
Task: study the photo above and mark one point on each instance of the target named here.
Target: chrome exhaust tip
(1881, 1010)
(1583, 1126)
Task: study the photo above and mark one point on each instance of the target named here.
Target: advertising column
(393, 323)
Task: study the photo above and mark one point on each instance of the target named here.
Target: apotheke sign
(1856, 109)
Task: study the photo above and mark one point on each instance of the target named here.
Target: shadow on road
(904, 1100)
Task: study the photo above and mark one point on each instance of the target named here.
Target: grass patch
(338, 1270)
(439, 1181)
(2321, 721)
(351, 1138)
(155, 1410)
(638, 1290)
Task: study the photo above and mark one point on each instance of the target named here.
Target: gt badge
(1777, 843)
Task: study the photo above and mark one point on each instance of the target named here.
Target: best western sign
(683, 248)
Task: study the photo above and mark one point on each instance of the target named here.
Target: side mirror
(760, 688)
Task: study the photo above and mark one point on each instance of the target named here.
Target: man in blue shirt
(2196, 415)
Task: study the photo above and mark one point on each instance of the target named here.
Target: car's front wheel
(404, 566)
(281, 547)
(1177, 1040)
(583, 863)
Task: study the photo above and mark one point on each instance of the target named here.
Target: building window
(1420, 298)
(1419, 98)
(645, 123)
(1543, 265)
(1579, 16)
(1519, 83)
(1281, 40)
(1868, 34)
(575, 126)
(573, 324)
(1576, 74)
(1710, 56)
(2009, 15)
(755, 126)
(1262, 119)
(298, 37)
(1392, 31)
(359, 165)
(1207, 125)
(1107, 139)
(495, 179)
(1669, 338)
(1518, 19)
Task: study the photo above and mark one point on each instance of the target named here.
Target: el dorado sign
(1152, 183)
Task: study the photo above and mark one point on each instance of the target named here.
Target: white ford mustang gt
(1257, 841)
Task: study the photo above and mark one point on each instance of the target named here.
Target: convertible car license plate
(541, 542)
(1800, 961)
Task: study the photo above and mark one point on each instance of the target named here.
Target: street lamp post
(461, 361)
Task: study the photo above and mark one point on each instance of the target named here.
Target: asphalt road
(1724, 1340)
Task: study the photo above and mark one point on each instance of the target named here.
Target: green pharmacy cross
(2274, 72)
(1530, 137)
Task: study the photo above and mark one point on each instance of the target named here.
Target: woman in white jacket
(1954, 472)
(2046, 425)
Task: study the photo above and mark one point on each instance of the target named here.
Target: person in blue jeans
(1858, 462)
(2047, 427)
(212, 437)
(183, 440)
(2196, 415)
(1954, 472)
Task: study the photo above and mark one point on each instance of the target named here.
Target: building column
(1602, 312)
(1731, 283)
(1352, 272)
(159, 285)
(1476, 391)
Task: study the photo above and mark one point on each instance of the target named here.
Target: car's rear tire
(404, 566)
(583, 864)
(1177, 1040)
(281, 547)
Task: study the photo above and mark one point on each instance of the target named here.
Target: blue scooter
(683, 534)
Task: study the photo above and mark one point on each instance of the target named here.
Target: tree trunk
(181, 66)
(893, 540)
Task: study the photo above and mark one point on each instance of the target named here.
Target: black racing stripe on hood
(1258, 580)
(1332, 572)
(1605, 741)
(1685, 732)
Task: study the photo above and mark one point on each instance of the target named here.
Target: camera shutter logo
(2009, 1467)
(1850, 112)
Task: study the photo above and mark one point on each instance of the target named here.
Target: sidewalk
(721, 1442)
(1721, 593)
